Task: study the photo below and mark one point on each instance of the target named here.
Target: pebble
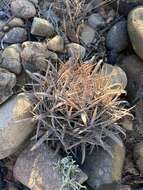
(56, 44)
(135, 29)
(96, 21)
(23, 9)
(87, 35)
(42, 27)
(117, 37)
(11, 59)
(16, 22)
(102, 168)
(39, 165)
(138, 156)
(7, 82)
(16, 124)
(76, 50)
(15, 35)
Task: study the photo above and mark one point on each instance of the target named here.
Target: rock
(124, 7)
(11, 59)
(96, 21)
(118, 76)
(87, 35)
(7, 82)
(138, 156)
(56, 44)
(102, 168)
(15, 35)
(41, 27)
(2, 24)
(6, 28)
(133, 66)
(135, 25)
(36, 170)
(16, 124)
(34, 55)
(117, 37)
(16, 22)
(23, 9)
(76, 50)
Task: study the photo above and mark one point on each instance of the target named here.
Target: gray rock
(138, 156)
(41, 27)
(23, 9)
(56, 44)
(117, 37)
(87, 35)
(2, 24)
(16, 22)
(135, 29)
(96, 21)
(15, 35)
(16, 124)
(36, 170)
(102, 168)
(7, 82)
(133, 66)
(76, 50)
(34, 55)
(125, 6)
(11, 59)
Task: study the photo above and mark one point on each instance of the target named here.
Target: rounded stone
(118, 76)
(35, 169)
(56, 44)
(11, 59)
(87, 35)
(76, 50)
(96, 21)
(42, 27)
(15, 35)
(23, 9)
(7, 83)
(16, 22)
(117, 37)
(135, 29)
(16, 124)
(102, 168)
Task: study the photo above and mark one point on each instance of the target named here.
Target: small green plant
(69, 169)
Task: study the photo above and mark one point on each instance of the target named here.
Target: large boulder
(135, 29)
(103, 168)
(16, 124)
(36, 169)
(133, 67)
